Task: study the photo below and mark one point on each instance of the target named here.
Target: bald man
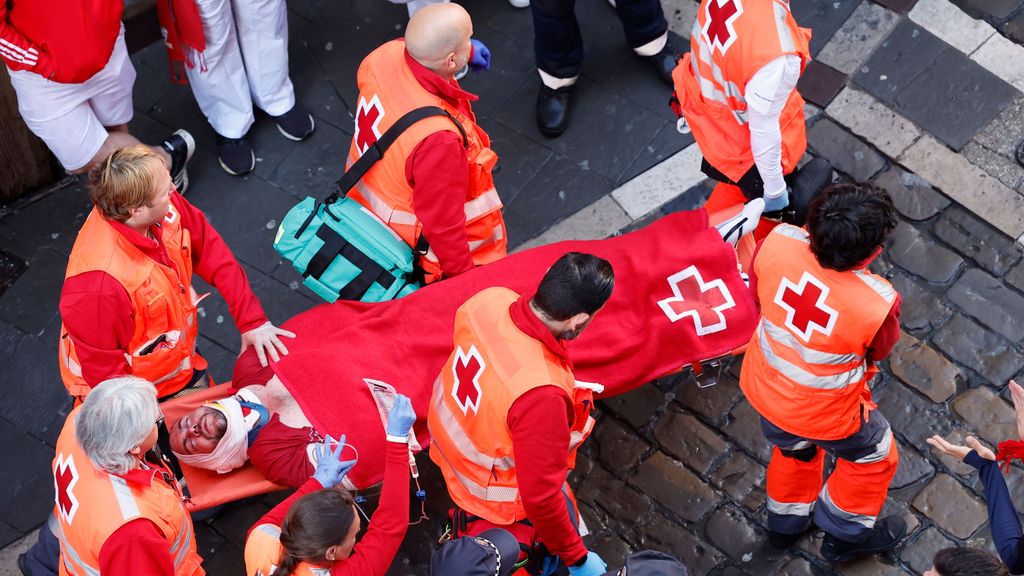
(433, 187)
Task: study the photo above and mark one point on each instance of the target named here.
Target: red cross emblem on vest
(467, 369)
(703, 302)
(368, 116)
(719, 18)
(65, 476)
(806, 310)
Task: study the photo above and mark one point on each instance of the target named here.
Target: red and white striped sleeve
(18, 52)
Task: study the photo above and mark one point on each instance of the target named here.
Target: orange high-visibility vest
(92, 504)
(493, 364)
(387, 91)
(163, 347)
(263, 552)
(731, 40)
(805, 368)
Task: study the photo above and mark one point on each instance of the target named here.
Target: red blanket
(678, 299)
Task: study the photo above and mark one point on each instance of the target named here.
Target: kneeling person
(507, 414)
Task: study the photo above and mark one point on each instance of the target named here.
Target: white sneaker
(519, 3)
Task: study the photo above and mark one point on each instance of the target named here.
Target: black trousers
(558, 45)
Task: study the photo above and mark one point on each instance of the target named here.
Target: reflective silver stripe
(862, 519)
(461, 440)
(881, 287)
(483, 204)
(577, 438)
(383, 211)
(798, 446)
(790, 508)
(270, 530)
(185, 539)
(185, 364)
(73, 367)
(881, 449)
(68, 553)
(782, 27)
(125, 498)
(496, 235)
(486, 493)
(793, 232)
(805, 378)
(707, 88)
(809, 355)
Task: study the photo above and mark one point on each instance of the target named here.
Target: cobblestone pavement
(922, 97)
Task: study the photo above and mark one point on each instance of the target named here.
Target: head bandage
(233, 448)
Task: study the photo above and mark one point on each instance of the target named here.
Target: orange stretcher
(206, 488)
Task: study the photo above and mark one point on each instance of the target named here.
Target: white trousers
(246, 60)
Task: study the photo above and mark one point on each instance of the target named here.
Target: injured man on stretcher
(681, 300)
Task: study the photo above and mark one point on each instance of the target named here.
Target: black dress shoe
(664, 63)
(886, 534)
(553, 110)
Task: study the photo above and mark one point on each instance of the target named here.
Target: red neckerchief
(152, 247)
(526, 320)
(182, 30)
(448, 90)
(1007, 451)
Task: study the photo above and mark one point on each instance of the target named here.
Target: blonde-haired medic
(128, 307)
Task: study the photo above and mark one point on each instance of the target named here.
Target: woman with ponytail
(313, 532)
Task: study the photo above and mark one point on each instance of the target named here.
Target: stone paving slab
(671, 466)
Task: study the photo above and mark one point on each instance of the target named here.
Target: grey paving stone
(1005, 168)
(1014, 28)
(694, 197)
(899, 59)
(618, 447)
(921, 309)
(901, 6)
(27, 498)
(150, 63)
(847, 153)
(989, 414)
(913, 197)
(313, 165)
(676, 488)
(39, 401)
(820, 83)
(559, 189)
(871, 566)
(1015, 277)
(913, 417)
(742, 540)
(915, 253)
(858, 37)
(744, 428)
(31, 303)
(992, 10)
(951, 506)
(8, 535)
(519, 158)
(922, 368)
(978, 348)
(599, 484)
(697, 555)
(665, 144)
(638, 406)
(712, 403)
(919, 553)
(742, 479)
(1004, 132)
(34, 224)
(508, 71)
(990, 302)
(825, 18)
(688, 440)
(912, 468)
(954, 98)
(606, 131)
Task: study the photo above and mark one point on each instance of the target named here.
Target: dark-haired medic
(507, 414)
(825, 321)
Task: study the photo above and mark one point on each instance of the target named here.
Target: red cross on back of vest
(806, 310)
(719, 17)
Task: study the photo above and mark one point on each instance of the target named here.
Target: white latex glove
(265, 339)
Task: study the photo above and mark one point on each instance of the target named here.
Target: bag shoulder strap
(376, 151)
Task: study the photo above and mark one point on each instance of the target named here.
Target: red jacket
(67, 41)
(99, 315)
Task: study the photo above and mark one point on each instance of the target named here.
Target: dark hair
(968, 562)
(314, 523)
(847, 223)
(575, 283)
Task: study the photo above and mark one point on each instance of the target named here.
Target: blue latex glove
(594, 566)
(481, 60)
(402, 417)
(330, 468)
(776, 204)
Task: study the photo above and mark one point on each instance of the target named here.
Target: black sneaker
(235, 155)
(553, 110)
(664, 63)
(296, 124)
(884, 537)
(180, 146)
(781, 541)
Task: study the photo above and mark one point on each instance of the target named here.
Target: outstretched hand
(959, 451)
(481, 60)
(330, 468)
(265, 338)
